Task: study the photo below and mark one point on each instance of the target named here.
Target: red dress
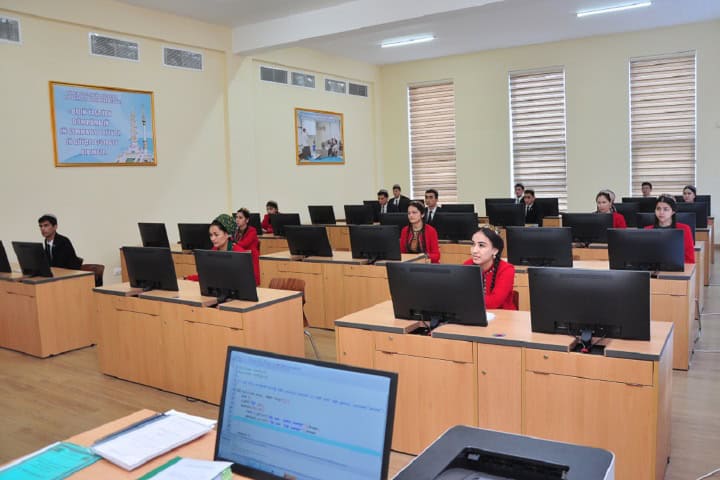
(428, 242)
(688, 240)
(618, 220)
(236, 247)
(249, 243)
(501, 297)
(266, 225)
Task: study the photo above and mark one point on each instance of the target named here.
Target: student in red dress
(498, 275)
(272, 208)
(419, 237)
(665, 210)
(604, 202)
(246, 238)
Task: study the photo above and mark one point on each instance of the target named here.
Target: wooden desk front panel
(19, 328)
(454, 253)
(339, 237)
(582, 253)
(313, 275)
(355, 347)
(275, 328)
(270, 244)
(364, 286)
(184, 264)
(499, 390)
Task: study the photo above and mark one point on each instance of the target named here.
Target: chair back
(97, 269)
(292, 284)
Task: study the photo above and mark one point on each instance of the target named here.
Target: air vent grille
(273, 75)
(336, 86)
(303, 80)
(9, 30)
(359, 90)
(173, 57)
(114, 47)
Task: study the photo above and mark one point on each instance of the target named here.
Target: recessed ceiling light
(399, 42)
(616, 8)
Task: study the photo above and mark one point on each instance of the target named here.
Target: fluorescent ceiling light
(399, 42)
(616, 8)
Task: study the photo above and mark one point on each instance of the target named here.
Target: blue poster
(102, 126)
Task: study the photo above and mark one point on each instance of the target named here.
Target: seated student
(246, 238)
(665, 210)
(419, 237)
(646, 188)
(399, 203)
(382, 197)
(532, 211)
(272, 208)
(604, 201)
(519, 192)
(498, 275)
(689, 194)
(431, 206)
(58, 248)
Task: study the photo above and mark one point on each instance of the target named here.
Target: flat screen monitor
(396, 218)
(437, 294)
(195, 236)
(699, 209)
(150, 268)
(540, 247)
(226, 275)
(506, 214)
(688, 218)
(32, 259)
(455, 226)
(699, 199)
(286, 417)
(458, 207)
(645, 204)
(322, 214)
(4, 262)
(153, 235)
(308, 240)
(374, 208)
(255, 221)
(375, 242)
(496, 201)
(588, 228)
(629, 211)
(279, 220)
(598, 303)
(359, 215)
(548, 207)
(657, 249)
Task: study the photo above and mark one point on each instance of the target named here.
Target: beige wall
(597, 110)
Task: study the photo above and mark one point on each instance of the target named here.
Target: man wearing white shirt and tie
(519, 193)
(383, 201)
(431, 198)
(399, 203)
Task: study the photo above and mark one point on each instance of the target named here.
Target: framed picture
(102, 126)
(319, 137)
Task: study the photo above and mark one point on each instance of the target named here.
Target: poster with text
(102, 126)
(319, 137)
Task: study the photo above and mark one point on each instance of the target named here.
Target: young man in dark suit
(399, 203)
(532, 212)
(58, 248)
(431, 198)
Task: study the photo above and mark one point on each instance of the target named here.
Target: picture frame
(319, 137)
(102, 126)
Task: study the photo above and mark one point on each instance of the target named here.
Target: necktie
(397, 200)
(48, 251)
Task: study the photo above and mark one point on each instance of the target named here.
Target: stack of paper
(58, 460)
(190, 469)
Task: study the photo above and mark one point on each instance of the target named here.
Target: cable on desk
(707, 475)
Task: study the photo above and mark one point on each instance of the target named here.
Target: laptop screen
(290, 418)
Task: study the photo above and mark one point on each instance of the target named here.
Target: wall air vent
(336, 86)
(275, 75)
(9, 30)
(114, 47)
(357, 89)
(303, 79)
(174, 57)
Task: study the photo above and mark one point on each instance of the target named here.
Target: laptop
(285, 417)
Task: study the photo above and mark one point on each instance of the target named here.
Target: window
(275, 75)
(303, 79)
(358, 89)
(662, 122)
(336, 86)
(537, 116)
(432, 140)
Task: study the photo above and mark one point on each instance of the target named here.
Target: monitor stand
(584, 344)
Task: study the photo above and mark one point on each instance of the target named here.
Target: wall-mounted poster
(102, 126)
(319, 137)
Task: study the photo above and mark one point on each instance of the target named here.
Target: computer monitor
(496, 201)
(396, 218)
(629, 211)
(286, 417)
(588, 228)
(590, 303)
(359, 215)
(506, 214)
(375, 242)
(4, 262)
(699, 209)
(437, 293)
(698, 199)
(455, 226)
(32, 259)
(255, 221)
(195, 236)
(308, 240)
(643, 219)
(322, 214)
(540, 247)
(150, 268)
(458, 208)
(226, 275)
(645, 204)
(280, 220)
(548, 207)
(657, 249)
(153, 235)
(374, 208)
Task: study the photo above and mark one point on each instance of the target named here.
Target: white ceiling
(355, 28)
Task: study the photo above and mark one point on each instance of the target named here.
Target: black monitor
(226, 275)
(629, 211)
(645, 204)
(255, 221)
(150, 268)
(374, 207)
(540, 247)
(375, 242)
(699, 209)
(496, 201)
(587, 303)
(4, 262)
(548, 207)
(643, 219)
(654, 250)
(359, 215)
(308, 240)
(588, 228)
(279, 220)
(195, 236)
(286, 417)
(322, 214)
(32, 259)
(455, 226)
(688, 218)
(698, 199)
(153, 235)
(437, 293)
(395, 218)
(458, 208)
(506, 214)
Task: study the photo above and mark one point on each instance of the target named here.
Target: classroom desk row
(505, 377)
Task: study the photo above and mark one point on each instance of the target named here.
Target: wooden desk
(673, 300)
(339, 236)
(176, 341)
(454, 253)
(706, 235)
(46, 316)
(505, 377)
(271, 244)
(334, 286)
(184, 261)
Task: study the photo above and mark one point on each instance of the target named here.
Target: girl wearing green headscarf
(222, 230)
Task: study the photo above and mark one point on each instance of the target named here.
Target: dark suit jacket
(533, 214)
(404, 202)
(426, 218)
(63, 253)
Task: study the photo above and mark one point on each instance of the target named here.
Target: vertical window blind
(662, 122)
(432, 140)
(537, 114)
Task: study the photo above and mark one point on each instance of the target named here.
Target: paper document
(190, 469)
(57, 461)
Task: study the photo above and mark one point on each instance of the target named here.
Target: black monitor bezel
(645, 204)
(364, 211)
(394, 218)
(147, 231)
(187, 232)
(631, 209)
(238, 267)
(279, 221)
(622, 240)
(169, 277)
(457, 208)
(544, 202)
(382, 231)
(4, 261)
(506, 214)
(32, 259)
(448, 224)
(699, 208)
(297, 234)
(602, 221)
(531, 237)
(322, 212)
